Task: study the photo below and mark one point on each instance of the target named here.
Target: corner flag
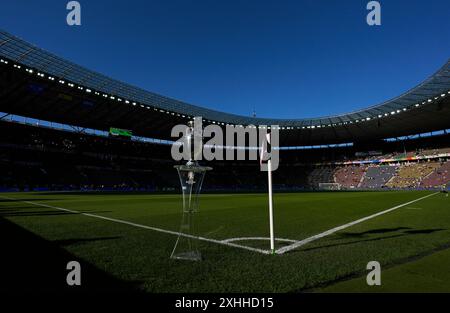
(265, 157)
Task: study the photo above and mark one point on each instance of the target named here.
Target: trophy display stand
(191, 179)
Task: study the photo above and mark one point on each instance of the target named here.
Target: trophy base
(191, 179)
(190, 256)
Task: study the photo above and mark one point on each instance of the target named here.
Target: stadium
(87, 175)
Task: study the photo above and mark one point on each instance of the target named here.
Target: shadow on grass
(406, 231)
(26, 211)
(25, 199)
(76, 241)
(351, 242)
(31, 264)
(103, 193)
(373, 231)
(11, 213)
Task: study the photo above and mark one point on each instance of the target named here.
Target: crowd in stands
(410, 175)
(37, 158)
(349, 177)
(438, 177)
(428, 152)
(377, 176)
(320, 175)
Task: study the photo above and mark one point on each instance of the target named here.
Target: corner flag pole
(269, 174)
(263, 156)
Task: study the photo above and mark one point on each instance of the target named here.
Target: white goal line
(336, 229)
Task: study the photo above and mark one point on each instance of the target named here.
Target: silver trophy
(191, 178)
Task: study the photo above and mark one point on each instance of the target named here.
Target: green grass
(428, 274)
(137, 255)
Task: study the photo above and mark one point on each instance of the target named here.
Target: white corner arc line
(170, 232)
(336, 229)
(258, 238)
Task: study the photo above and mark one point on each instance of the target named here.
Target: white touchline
(144, 226)
(336, 229)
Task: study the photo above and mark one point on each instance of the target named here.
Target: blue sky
(286, 59)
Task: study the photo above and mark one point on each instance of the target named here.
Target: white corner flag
(265, 158)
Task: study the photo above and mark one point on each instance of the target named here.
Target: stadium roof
(423, 108)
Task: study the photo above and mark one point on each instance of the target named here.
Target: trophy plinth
(191, 179)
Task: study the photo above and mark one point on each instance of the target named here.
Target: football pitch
(123, 241)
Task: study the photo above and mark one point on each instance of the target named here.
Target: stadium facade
(424, 108)
(354, 149)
